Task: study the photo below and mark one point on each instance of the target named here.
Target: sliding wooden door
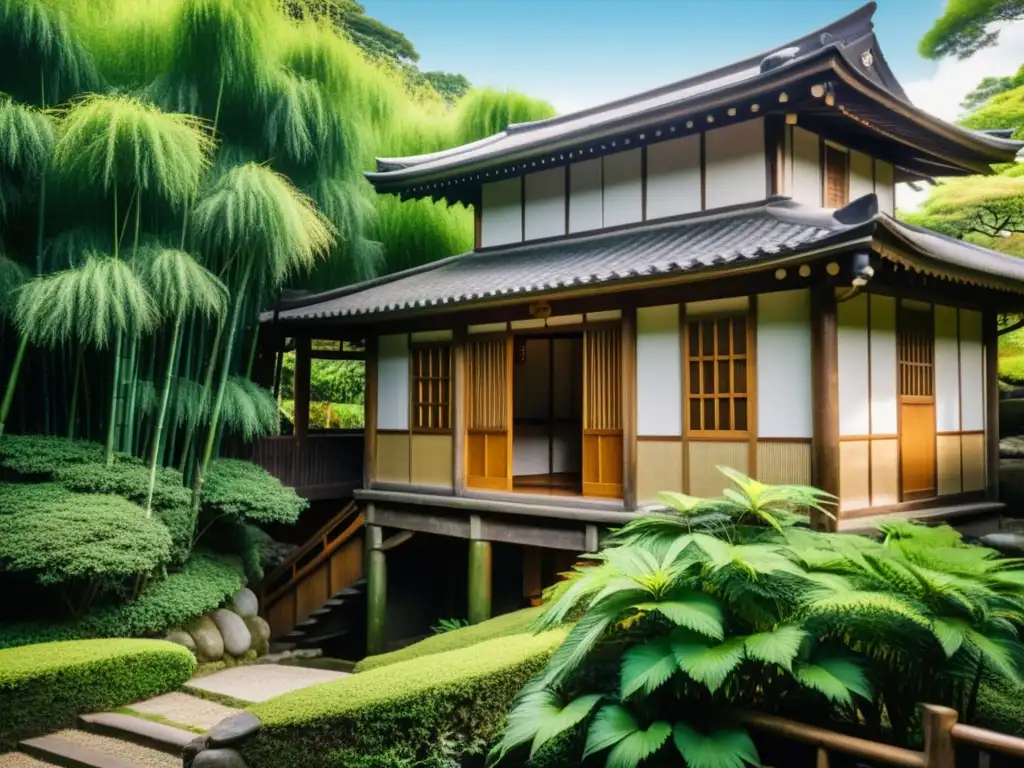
(916, 355)
(602, 411)
(489, 413)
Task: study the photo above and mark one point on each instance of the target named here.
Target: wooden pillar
(376, 592)
(300, 386)
(480, 568)
(990, 337)
(825, 396)
(939, 750)
(533, 579)
(459, 411)
(628, 367)
(370, 414)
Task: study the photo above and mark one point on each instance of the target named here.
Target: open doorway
(547, 414)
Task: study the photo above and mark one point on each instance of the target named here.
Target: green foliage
(989, 87)
(328, 415)
(26, 139)
(44, 687)
(1001, 110)
(450, 86)
(962, 30)
(448, 625)
(500, 626)
(203, 585)
(331, 381)
(1011, 417)
(245, 491)
(12, 276)
(179, 284)
(486, 112)
(402, 712)
(249, 410)
(130, 481)
(41, 455)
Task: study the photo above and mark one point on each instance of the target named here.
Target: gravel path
(21, 760)
(142, 756)
(184, 709)
(261, 682)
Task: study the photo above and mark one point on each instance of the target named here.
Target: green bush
(500, 626)
(206, 581)
(178, 522)
(130, 481)
(29, 497)
(41, 455)
(410, 713)
(248, 492)
(44, 687)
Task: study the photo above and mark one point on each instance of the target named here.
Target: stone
(260, 631)
(236, 635)
(181, 637)
(207, 637)
(194, 747)
(218, 758)
(245, 602)
(1006, 542)
(234, 729)
(1011, 448)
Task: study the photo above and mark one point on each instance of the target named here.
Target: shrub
(41, 455)
(43, 687)
(410, 713)
(500, 626)
(246, 491)
(130, 481)
(206, 581)
(178, 522)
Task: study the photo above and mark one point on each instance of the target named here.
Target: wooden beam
(990, 337)
(300, 388)
(370, 414)
(458, 411)
(397, 540)
(825, 396)
(628, 387)
(376, 591)
(338, 354)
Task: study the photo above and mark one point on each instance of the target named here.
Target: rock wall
(227, 635)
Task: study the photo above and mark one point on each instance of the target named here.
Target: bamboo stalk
(12, 382)
(73, 410)
(165, 397)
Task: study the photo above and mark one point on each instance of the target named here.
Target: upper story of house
(821, 120)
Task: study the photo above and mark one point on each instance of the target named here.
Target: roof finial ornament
(825, 38)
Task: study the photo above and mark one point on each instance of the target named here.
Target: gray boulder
(1005, 542)
(207, 638)
(232, 628)
(260, 631)
(245, 602)
(234, 729)
(218, 758)
(1011, 448)
(181, 637)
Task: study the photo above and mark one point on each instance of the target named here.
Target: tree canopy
(989, 87)
(963, 29)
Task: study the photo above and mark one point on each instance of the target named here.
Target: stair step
(307, 623)
(282, 646)
(334, 602)
(322, 611)
(21, 760)
(317, 640)
(145, 733)
(295, 634)
(347, 592)
(80, 749)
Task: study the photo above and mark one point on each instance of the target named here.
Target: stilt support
(479, 577)
(376, 592)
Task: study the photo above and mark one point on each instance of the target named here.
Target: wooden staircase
(316, 598)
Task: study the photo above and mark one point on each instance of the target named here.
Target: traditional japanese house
(705, 274)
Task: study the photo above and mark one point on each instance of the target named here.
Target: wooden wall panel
(784, 364)
(947, 370)
(659, 373)
(544, 215)
(703, 478)
(586, 201)
(392, 458)
(393, 381)
(805, 166)
(885, 474)
(487, 461)
(854, 404)
(502, 212)
(431, 462)
(623, 188)
(602, 465)
(673, 177)
(784, 462)
(884, 375)
(659, 467)
(734, 166)
(854, 478)
(973, 452)
(602, 398)
(487, 384)
(947, 449)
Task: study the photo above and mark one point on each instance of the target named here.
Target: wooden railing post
(376, 592)
(938, 722)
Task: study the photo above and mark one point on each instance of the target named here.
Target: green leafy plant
(448, 625)
(245, 491)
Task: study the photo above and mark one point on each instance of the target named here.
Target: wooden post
(376, 592)
(628, 355)
(938, 723)
(825, 396)
(458, 406)
(479, 608)
(300, 387)
(990, 337)
(370, 414)
(533, 580)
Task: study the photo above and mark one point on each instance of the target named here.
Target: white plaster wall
(673, 177)
(586, 199)
(805, 166)
(502, 212)
(545, 204)
(972, 371)
(884, 367)
(947, 370)
(623, 188)
(659, 374)
(734, 164)
(393, 382)
(885, 187)
(862, 175)
(854, 408)
(784, 365)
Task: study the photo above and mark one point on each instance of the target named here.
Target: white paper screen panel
(972, 372)
(673, 177)
(545, 204)
(393, 382)
(659, 391)
(502, 214)
(884, 187)
(947, 370)
(784, 365)
(805, 186)
(862, 175)
(854, 406)
(586, 199)
(734, 165)
(623, 188)
(884, 376)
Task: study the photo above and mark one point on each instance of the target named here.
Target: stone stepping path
(261, 682)
(21, 760)
(80, 749)
(185, 710)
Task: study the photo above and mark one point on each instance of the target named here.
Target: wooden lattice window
(431, 387)
(916, 353)
(837, 177)
(717, 393)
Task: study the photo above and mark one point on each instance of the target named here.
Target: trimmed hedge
(507, 624)
(411, 713)
(202, 586)
(248, 492)
(40, 455)
(44, 687)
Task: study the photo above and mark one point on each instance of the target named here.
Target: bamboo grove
(166, 168)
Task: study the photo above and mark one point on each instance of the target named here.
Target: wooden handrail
(990, 741)
(317, 538)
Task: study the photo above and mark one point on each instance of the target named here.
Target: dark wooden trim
(478, 223)
(990, 339)
(659, 438)
(370, 411)
(825, 395)
(393, 432)
(774, 151)
(643, 183)
(300, 388)
(336, 354)
(629, 416)
(959, 385)
(703, 174)
(795, 440)
(684, 378)
(522, 208)
(867, 438)
(458, 409)
(568, 195)
(752, 386)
